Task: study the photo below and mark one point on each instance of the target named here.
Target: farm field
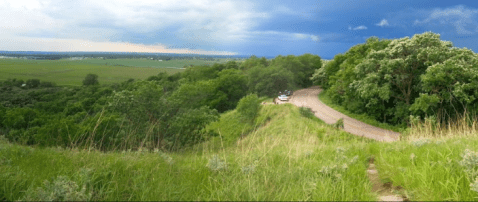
(173, 64)
(72, 72)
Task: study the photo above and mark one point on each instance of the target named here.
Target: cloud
(281, 36)
(361, 27)
(300, 36)
(314, 38)
(463, 19)
(213, 22)
(80, 45)
(383, 23)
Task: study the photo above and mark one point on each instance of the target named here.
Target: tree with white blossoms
(393, 74)
(451, 86)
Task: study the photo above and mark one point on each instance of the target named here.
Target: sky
(228, 27)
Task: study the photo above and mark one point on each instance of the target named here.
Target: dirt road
(308, 98)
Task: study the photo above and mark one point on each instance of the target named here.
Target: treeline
(163, 111)
(396, 80)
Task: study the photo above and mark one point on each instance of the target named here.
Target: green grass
(282, 156)
(175, 63)
(361, 117)
(72, 72)
(427, 170)
(278, 161)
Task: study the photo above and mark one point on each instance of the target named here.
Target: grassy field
(174, 64)
(72, 72)
(283, 156)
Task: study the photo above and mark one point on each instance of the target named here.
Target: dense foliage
(393, 79)
(164, 111)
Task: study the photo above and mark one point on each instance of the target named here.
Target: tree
(449, 87)
(249, 107)
(233, 83)
(91, 79)
(393, 74)
(268, 81)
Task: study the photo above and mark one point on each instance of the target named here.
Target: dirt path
(385, 191)
(308, 98)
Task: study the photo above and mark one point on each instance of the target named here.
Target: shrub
(470, 162)
(62, 189)
(306, 112)
(91, 79)
(339, 124)
(33, 83)
(248, 107)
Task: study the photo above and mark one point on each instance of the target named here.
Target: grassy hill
(283, 156)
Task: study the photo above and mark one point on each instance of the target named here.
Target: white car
(283, 98)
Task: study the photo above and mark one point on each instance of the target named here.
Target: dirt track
(308, 98)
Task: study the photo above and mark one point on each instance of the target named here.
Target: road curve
(309, 98)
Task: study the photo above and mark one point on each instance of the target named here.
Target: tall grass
(289, 158)
(284, 155)
(434, 161)
(461, 125)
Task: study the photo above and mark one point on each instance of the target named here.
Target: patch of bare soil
(386, 191)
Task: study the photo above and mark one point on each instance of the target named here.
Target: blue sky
(261, 28)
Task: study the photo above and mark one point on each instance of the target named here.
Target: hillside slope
(287, 157)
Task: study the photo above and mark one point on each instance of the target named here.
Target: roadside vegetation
(325, 98)
(390, 80)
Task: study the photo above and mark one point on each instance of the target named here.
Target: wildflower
(61, 189)
(470, 160)
(354, 159)
(412, 157)
(216, 164)
(248, 169)
(345, 166)
(167, 158)
(421, 142)
(474, 186)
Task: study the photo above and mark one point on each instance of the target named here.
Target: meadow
(72, 72)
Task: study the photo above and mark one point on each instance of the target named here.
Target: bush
(306, 112)
(248, 107)
(33, 83)
(62, 189)
(91, 79)
(339, 124)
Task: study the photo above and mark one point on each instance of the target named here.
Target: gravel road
(308, 98)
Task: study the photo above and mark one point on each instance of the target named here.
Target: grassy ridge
(284, 156)
(279, 161)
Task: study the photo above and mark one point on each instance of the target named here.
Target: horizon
(228, 28)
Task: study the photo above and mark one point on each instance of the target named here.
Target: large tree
(393, 74)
